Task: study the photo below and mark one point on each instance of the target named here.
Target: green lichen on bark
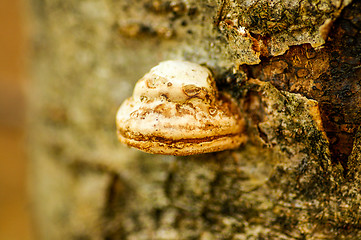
(256, 191)
(330, 75)
(229, 33)
(282, 184)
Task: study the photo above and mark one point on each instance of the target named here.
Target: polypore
(176, 109)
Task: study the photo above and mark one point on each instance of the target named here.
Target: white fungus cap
(176, 110)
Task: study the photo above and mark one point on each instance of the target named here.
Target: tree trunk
(293, 66)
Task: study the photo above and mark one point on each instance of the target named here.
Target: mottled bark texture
(294, 68)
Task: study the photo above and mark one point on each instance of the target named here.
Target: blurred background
(15, 215)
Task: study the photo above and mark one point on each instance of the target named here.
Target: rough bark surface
(293, 66)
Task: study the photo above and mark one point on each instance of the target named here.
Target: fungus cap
(176, 110)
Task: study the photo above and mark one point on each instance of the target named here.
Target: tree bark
(293, 66)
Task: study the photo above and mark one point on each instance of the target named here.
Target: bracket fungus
(176, 109)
